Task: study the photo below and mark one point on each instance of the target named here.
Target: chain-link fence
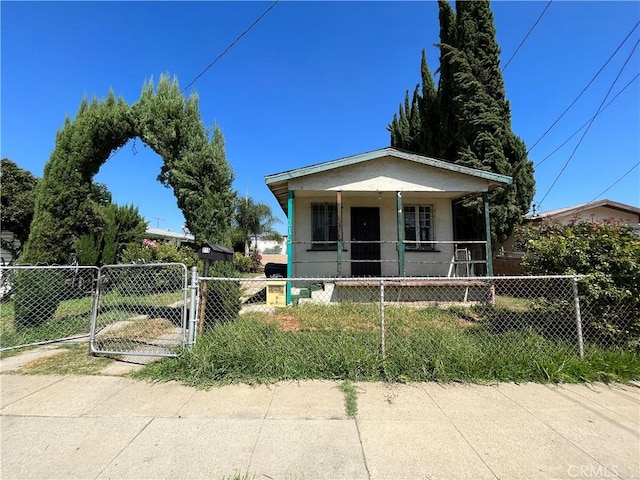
(42, 304)
(140, 310)
(425, 317)
(417, 322)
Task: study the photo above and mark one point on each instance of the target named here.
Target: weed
(350, 398)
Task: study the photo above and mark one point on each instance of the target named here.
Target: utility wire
(584, 89)
(231, 45)
(587, 122)
(468, 119)
(566, 164)
(613, 184)
(527, 35)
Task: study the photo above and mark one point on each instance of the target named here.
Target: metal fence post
(193, 319)
(382, 326)
(576, 301)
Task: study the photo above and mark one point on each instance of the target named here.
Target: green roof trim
(384, 152)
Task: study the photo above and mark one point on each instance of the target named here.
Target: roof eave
(392, 152)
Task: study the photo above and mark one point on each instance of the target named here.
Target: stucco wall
(324, 263)
(599, 214)
(389, 174)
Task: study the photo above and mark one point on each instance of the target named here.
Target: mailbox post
(210, 251)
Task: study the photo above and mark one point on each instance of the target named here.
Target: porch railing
(464, 258)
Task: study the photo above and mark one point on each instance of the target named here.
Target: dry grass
(71, 360)
(142, 330)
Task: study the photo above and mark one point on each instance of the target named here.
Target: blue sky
(314, 82)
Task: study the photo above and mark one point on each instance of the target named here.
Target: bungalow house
(509, 260)
(381, 213)
(602, 210)
(592, 212)
(183, 239)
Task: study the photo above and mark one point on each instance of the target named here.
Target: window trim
(423, 245)
(328, 245)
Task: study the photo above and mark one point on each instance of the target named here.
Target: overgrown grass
(342, 342)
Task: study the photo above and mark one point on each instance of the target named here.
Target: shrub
(607, 256)
(143, 281)
(161, 252)
(250, 264)
(37, 296)
(222, 296)
(241, 263)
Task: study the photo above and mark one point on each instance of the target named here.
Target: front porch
(385, 213)
(392, 234)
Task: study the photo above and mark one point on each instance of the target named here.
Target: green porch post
(340, 238)
(487, 225)
(289, 243)
(400, 217)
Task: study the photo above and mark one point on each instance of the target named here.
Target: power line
(590, 124)
(613, 184)
(231, 45)
(468, 119)
(587, 122)
(584, 89)
(527, 35)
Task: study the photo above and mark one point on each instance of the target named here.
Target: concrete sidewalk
(116, 428)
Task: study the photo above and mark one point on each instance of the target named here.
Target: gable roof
(278, 182)
(576, 209)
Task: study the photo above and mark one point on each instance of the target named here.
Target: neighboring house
(6, 257)
(380, 213)
(509, 259)
(602, 210)
(272, 247)
(592, 212)
(177, 239)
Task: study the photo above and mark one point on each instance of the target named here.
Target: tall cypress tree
(468, 119)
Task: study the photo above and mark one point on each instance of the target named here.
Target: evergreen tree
(467, 120)
(121, 226)
(67, 205)
(17, 197)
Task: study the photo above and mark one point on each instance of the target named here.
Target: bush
(250, 264)
(150, 251)
(222, 296)
(607, 256)
(37, 296)
(241, 263)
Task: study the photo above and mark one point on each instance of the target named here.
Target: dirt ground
(273, 259)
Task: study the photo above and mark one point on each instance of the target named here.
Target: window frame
(422, 245)
(327, 243)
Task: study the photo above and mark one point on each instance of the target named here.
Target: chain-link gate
(44, 304)
(140, 309)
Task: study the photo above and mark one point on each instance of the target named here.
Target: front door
(365, 227)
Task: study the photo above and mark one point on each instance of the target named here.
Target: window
(324, 226)
(418, 227)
